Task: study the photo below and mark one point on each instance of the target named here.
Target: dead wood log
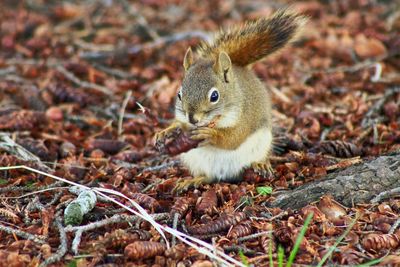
(355, 184)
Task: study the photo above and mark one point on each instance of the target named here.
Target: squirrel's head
(208, 92)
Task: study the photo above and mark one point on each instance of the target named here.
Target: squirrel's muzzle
(192, 118)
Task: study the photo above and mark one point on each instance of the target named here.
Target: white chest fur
(224, 164)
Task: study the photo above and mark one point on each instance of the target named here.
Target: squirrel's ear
(223, 65)
(188, 60)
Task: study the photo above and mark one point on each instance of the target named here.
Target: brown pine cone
(176, 143)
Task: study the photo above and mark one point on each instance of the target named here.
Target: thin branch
(9, 145)
(249, 237)
(36, 238)
(368, 119)
(394, 226)
(386, 195)
(62, 248)
(236, 248)
(122, 112)
(162, 166)
(56, 197)
(76, 242)
(70, 76)
(58, 65)
(41, 189)
(344, 163)
(174, 226)
(113, 72)
(118, 218)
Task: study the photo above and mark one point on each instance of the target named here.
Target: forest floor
(85, 85)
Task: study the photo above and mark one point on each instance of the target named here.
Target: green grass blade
(281, 253)
(299, 239)
(243, 258)
(332, 248)
(372, 262)
(271, 259)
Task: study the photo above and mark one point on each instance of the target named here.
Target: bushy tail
(255, 39)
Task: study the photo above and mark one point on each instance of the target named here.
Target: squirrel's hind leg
(183, 184)
(263, 168)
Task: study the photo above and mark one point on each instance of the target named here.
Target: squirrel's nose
(192, 120)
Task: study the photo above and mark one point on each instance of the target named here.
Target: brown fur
(255, 39)
(244, 104)
(255, 111)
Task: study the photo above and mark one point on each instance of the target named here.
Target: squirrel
(224, 104)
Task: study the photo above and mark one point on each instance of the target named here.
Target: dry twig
(394, 226)
(253, 236)
(62, 248)
(79, 230)
(36, 238)
(7, 144)
(70, 76)
(369, 119)
(385, 195)
(58, 65)
(122, 112)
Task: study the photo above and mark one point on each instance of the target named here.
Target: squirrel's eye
(180, 93)
(213, 95)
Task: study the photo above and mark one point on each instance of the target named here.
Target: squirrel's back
(254, 40)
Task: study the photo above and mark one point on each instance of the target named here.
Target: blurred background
(92, 53)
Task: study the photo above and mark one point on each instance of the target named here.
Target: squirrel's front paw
(209, 136)
(164, 134)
